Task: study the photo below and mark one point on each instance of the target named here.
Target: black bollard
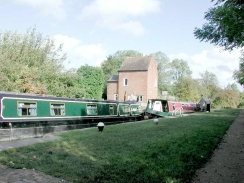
(100, 126)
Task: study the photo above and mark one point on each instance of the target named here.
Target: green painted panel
(43, 108)
(75, 109)
(162, 113)
(151, 111)
(9, 108)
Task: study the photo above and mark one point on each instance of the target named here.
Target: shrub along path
(227, 162)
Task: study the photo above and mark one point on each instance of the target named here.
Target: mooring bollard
(100, 126)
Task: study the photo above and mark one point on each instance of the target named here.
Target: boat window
(57, 109)
(157, 106)
(173, 104)
(165, 107)
(91, 109)
(26, 109)
(126, 109)
(111, 109)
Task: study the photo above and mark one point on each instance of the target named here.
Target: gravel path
(9, 175)
(227, 162)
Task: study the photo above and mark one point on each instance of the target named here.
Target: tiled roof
(136, 64)
(114, 78)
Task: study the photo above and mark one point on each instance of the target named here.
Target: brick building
(137, 79)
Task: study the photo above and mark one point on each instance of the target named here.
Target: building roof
(114, 78)
(135, 64)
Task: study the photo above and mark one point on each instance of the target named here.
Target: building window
(91, 109)
(139, 98)
(57, 109)
(26, 109)
(116, 96)
(125, 82)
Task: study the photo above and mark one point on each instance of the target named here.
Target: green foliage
(92, 80)
(134, 152)
(67, 84)
(226, 99)
(231, 98)
(225, 25)
(180, 68)
(239, 74)
(213, 92)
(186, 89)
(164, 72)
(241, 104)
(31, 63)
(232, 86)
(21, 58)
(209, 87)
(209, 78)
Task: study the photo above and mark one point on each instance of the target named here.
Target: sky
(91, 30)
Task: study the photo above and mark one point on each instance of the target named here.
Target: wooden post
(11, 131)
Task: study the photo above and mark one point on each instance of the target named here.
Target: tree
(68, 84)
(93, 81)
(31, 63)
(241, 104)
(232, 86)
(225, 25)
(180, 68)
(230, 99)
(164, 72)
(186, 89)
(209, 86)
(209, 78)
(239, 74)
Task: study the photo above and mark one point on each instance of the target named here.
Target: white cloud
(120, 8)
(89, 51)
(117, 14)
(54, 8)
(69, 43)
(220, 63)
(79, 54)
(133, 27)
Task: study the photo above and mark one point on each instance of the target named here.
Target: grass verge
(133, 152)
